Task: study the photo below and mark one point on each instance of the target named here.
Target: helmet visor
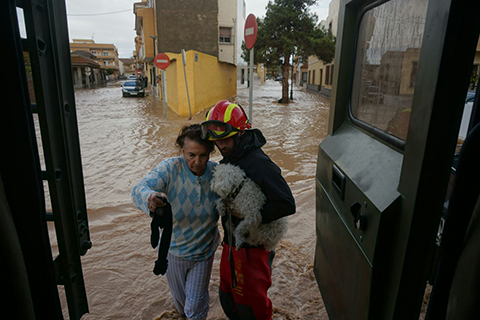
(216, 130)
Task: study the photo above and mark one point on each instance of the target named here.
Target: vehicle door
(402, 71)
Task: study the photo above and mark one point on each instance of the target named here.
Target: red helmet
(224, 120)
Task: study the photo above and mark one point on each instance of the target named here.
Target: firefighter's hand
(233, 212)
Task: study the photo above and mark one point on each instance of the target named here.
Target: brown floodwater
(122, 139)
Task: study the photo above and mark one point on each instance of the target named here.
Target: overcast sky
(107, 21)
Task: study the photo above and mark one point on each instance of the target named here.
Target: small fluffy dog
(247, 199)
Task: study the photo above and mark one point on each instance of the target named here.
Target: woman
(185, 182)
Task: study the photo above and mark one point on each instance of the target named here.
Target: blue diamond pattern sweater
(195, 233)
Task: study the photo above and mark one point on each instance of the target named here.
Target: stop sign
(162, 61)
(250, 31)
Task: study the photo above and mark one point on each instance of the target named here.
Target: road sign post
(250, 32)
(87, 76)
(162, 61)
(184, 58)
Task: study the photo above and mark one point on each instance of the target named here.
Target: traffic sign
(250, 31)
(139, 72)
(162, 61)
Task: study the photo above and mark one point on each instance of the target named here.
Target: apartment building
(106, 54)
(231, 22)
(127, 66)
(214, 27)
(201, 27)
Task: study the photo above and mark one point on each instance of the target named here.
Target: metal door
(31, 275)
(401, 76)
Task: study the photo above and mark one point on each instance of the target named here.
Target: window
(106, 63)
(388, 48)
(225, 35)
(105, 53)
(304, 76)
(94, 52)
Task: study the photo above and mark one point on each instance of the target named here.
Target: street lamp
(291, 88)
(136, 61)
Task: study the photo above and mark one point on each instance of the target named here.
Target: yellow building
(320, 74)
(145, 41)
(208, 80)
(106, 54)
(164, 26)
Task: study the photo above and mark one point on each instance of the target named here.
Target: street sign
(139, 72)
(162, 61)
(250, 31)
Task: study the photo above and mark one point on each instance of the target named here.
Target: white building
(231, 23)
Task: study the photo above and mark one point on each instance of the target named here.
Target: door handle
(359, 219)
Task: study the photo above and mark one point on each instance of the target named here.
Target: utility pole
(152, 80)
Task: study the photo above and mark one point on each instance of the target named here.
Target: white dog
(247, 199)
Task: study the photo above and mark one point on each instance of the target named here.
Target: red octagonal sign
(250, 31)
(162, 61)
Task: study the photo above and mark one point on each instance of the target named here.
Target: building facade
(231, 22)
(188, 25)
(128, 67)
(319, 74)
(87, 72)
(145, 41)
(200, 27)
(106, 54)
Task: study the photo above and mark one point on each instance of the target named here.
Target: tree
(289, 30)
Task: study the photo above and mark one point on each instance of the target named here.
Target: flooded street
(122, 139)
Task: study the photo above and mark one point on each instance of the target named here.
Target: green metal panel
(348, 259)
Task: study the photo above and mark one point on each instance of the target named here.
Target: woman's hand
(155, 202)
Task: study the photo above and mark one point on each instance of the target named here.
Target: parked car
(122, 77)
(132, 77)
(133, 88)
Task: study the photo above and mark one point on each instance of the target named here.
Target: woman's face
(196, 156)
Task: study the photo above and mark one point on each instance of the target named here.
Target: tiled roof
(80, 61)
